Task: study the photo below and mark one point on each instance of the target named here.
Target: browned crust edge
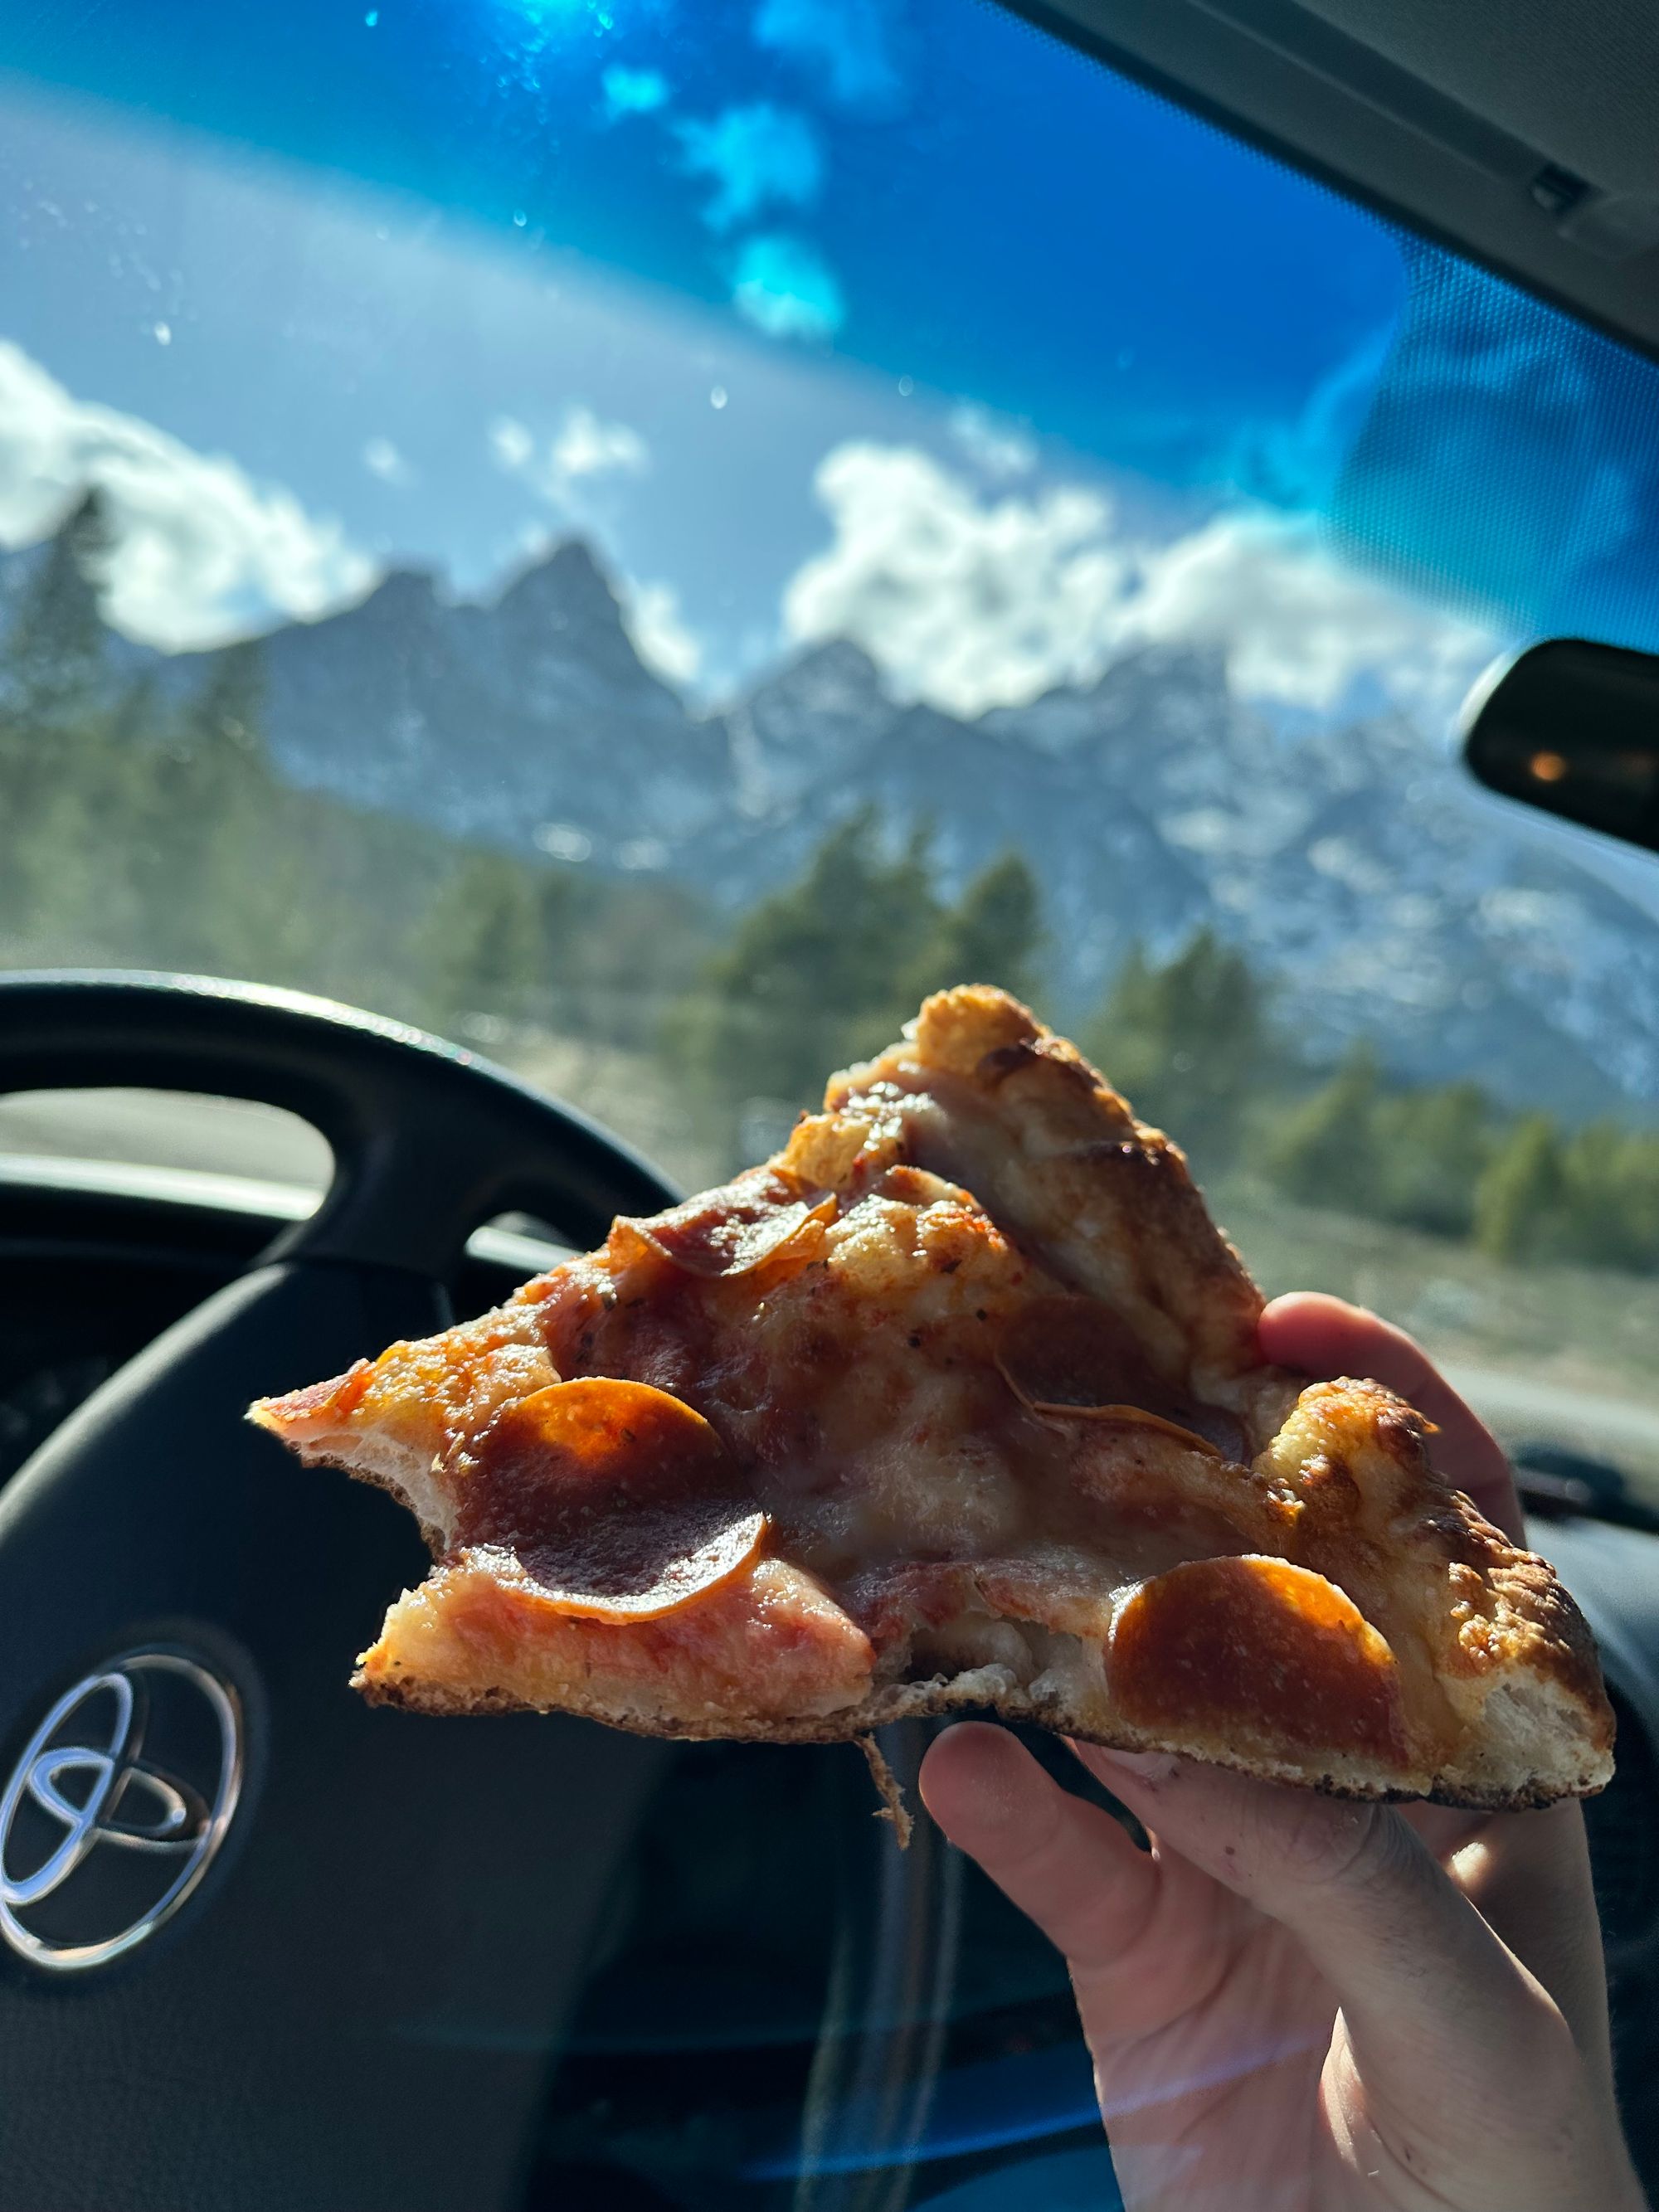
(923, 1701)
(1579, 1669)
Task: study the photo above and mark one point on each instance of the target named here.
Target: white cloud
(511, 444)
(201, 551)
(973, 601)
(584, 447)
(844, 44)
(758, 157)
(662, 637)
(382, 459)
(997, 447)
(1300, 626)
(632, 92)
(786, 289)
(966, 602)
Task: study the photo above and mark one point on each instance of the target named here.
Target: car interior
(560, 562)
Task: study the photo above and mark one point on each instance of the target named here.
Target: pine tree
(1608, 1211)
(220, 730)
(1189, 1040)
(216, 882)
(1324, 1151)
(1518, 1199)
(993, 934)
(814, 975)
(1432, 1147)
(55, 651)
(136, 716)
(485, 943)
(53, 732)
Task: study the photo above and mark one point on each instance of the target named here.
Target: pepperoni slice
(665, 1584)
(1066, 1351)
(1224, 1432)
(1259, 1648)
(619, 1501)
(733, 1231)
(1135, 1417)
(1072, 1357)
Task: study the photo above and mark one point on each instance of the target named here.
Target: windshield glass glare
(645, 539)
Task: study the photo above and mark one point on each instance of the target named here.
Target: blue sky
(880, 316)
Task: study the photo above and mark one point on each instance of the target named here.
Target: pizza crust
(1528, 1745)
(978, 1354)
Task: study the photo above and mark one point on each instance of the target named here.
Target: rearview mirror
(1572, 728)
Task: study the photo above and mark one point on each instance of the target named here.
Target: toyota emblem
(115, 1807)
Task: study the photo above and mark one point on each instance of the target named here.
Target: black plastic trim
(429, 1139)
(1059, 23)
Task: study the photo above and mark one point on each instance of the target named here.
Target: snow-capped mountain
(532, 713)
(1353, 862)
(1356, 864)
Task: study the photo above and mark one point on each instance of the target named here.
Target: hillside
(1353, 862)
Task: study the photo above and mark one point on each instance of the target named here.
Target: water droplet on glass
(717, 397)
(907, 385)
(519, 218)
(163, 334)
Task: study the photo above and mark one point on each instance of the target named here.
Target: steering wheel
(265, 1948)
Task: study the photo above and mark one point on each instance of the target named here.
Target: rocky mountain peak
(1351, 860)
(402, 595)
(561, 623)
(835, 678)
(565, 590)
(808, 721)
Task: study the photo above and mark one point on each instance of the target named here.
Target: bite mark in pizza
(955, 1403)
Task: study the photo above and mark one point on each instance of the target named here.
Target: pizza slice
(955, 1403)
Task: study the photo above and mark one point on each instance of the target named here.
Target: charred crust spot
(1004, 1060)
(1399, 1431)
(1330, 1481)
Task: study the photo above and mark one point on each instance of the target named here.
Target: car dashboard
(780, 2010)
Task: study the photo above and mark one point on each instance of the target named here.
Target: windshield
(645, 539)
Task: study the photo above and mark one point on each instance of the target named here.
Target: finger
(1442, 2017)
(1326, 1336)
(1069, 1865)
(1445, 1829)
(1528, 1876)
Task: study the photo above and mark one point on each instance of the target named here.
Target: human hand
(1300, 2004)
